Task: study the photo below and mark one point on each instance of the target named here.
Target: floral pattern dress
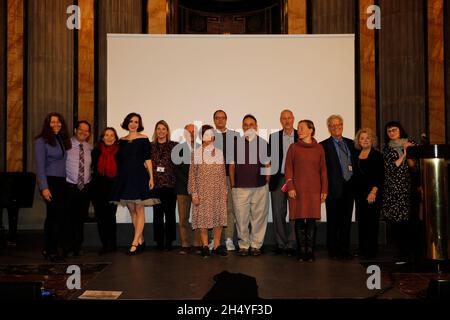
(397, 188)
(207, 180)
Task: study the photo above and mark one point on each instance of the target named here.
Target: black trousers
(13, 216)
(105, 212)
(165, 232)
(77, 213)
(56, 213)
(368, 226)
(339, 222)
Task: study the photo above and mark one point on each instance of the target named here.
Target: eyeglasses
(220, 118)
(392, 130)
(335, 126)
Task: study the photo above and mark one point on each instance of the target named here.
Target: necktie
(344, 159)
(80, 183)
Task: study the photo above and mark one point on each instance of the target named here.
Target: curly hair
(49, 136)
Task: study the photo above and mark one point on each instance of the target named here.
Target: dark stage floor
(166, 275)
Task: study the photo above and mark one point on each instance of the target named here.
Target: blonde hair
(334, 116)
(164, 123)
(369, 132)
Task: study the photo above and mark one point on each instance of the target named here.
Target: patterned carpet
(412, 280)
(53, 276)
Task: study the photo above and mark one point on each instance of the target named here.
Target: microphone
(424, 139)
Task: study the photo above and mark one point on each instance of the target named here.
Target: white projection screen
(184, 79)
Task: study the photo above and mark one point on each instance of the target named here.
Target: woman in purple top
(50, 156)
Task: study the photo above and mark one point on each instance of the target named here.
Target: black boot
(300, 237)
(310, 241)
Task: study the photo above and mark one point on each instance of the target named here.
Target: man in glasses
(339, 154)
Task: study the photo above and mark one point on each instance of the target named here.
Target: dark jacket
(368, 173)
(276, 175)
(335, 178)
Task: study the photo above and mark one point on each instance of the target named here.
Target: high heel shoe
(141, 246)
(134, 252)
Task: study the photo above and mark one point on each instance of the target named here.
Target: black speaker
(17, 189)
(20, 291)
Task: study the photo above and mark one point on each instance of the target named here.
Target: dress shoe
(243, 252)
(255, 252)
(220, 251)
(205, 252)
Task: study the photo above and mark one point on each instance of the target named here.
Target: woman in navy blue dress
(134, 183)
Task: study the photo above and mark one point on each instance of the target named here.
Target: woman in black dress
(104, 167)
(368, 183)
(397, 200)
(134, 183)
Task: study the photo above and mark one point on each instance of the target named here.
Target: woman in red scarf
(104, 173)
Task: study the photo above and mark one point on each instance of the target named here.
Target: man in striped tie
(78, 173)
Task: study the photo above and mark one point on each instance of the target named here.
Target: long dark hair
(392, 124)
(49, 136)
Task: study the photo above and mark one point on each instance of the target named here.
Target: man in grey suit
(279, 143)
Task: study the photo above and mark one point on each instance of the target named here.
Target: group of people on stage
(226, 180)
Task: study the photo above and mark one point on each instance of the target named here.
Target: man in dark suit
(279, 143)
(340, 157)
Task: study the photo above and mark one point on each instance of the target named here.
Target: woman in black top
(164, 223)
(397, 197)
(368, 181)
(104, 168)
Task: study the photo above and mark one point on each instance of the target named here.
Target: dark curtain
(402, 65)
(50, 66)
(113, 16)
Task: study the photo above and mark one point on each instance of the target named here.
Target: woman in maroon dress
(307, 183)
